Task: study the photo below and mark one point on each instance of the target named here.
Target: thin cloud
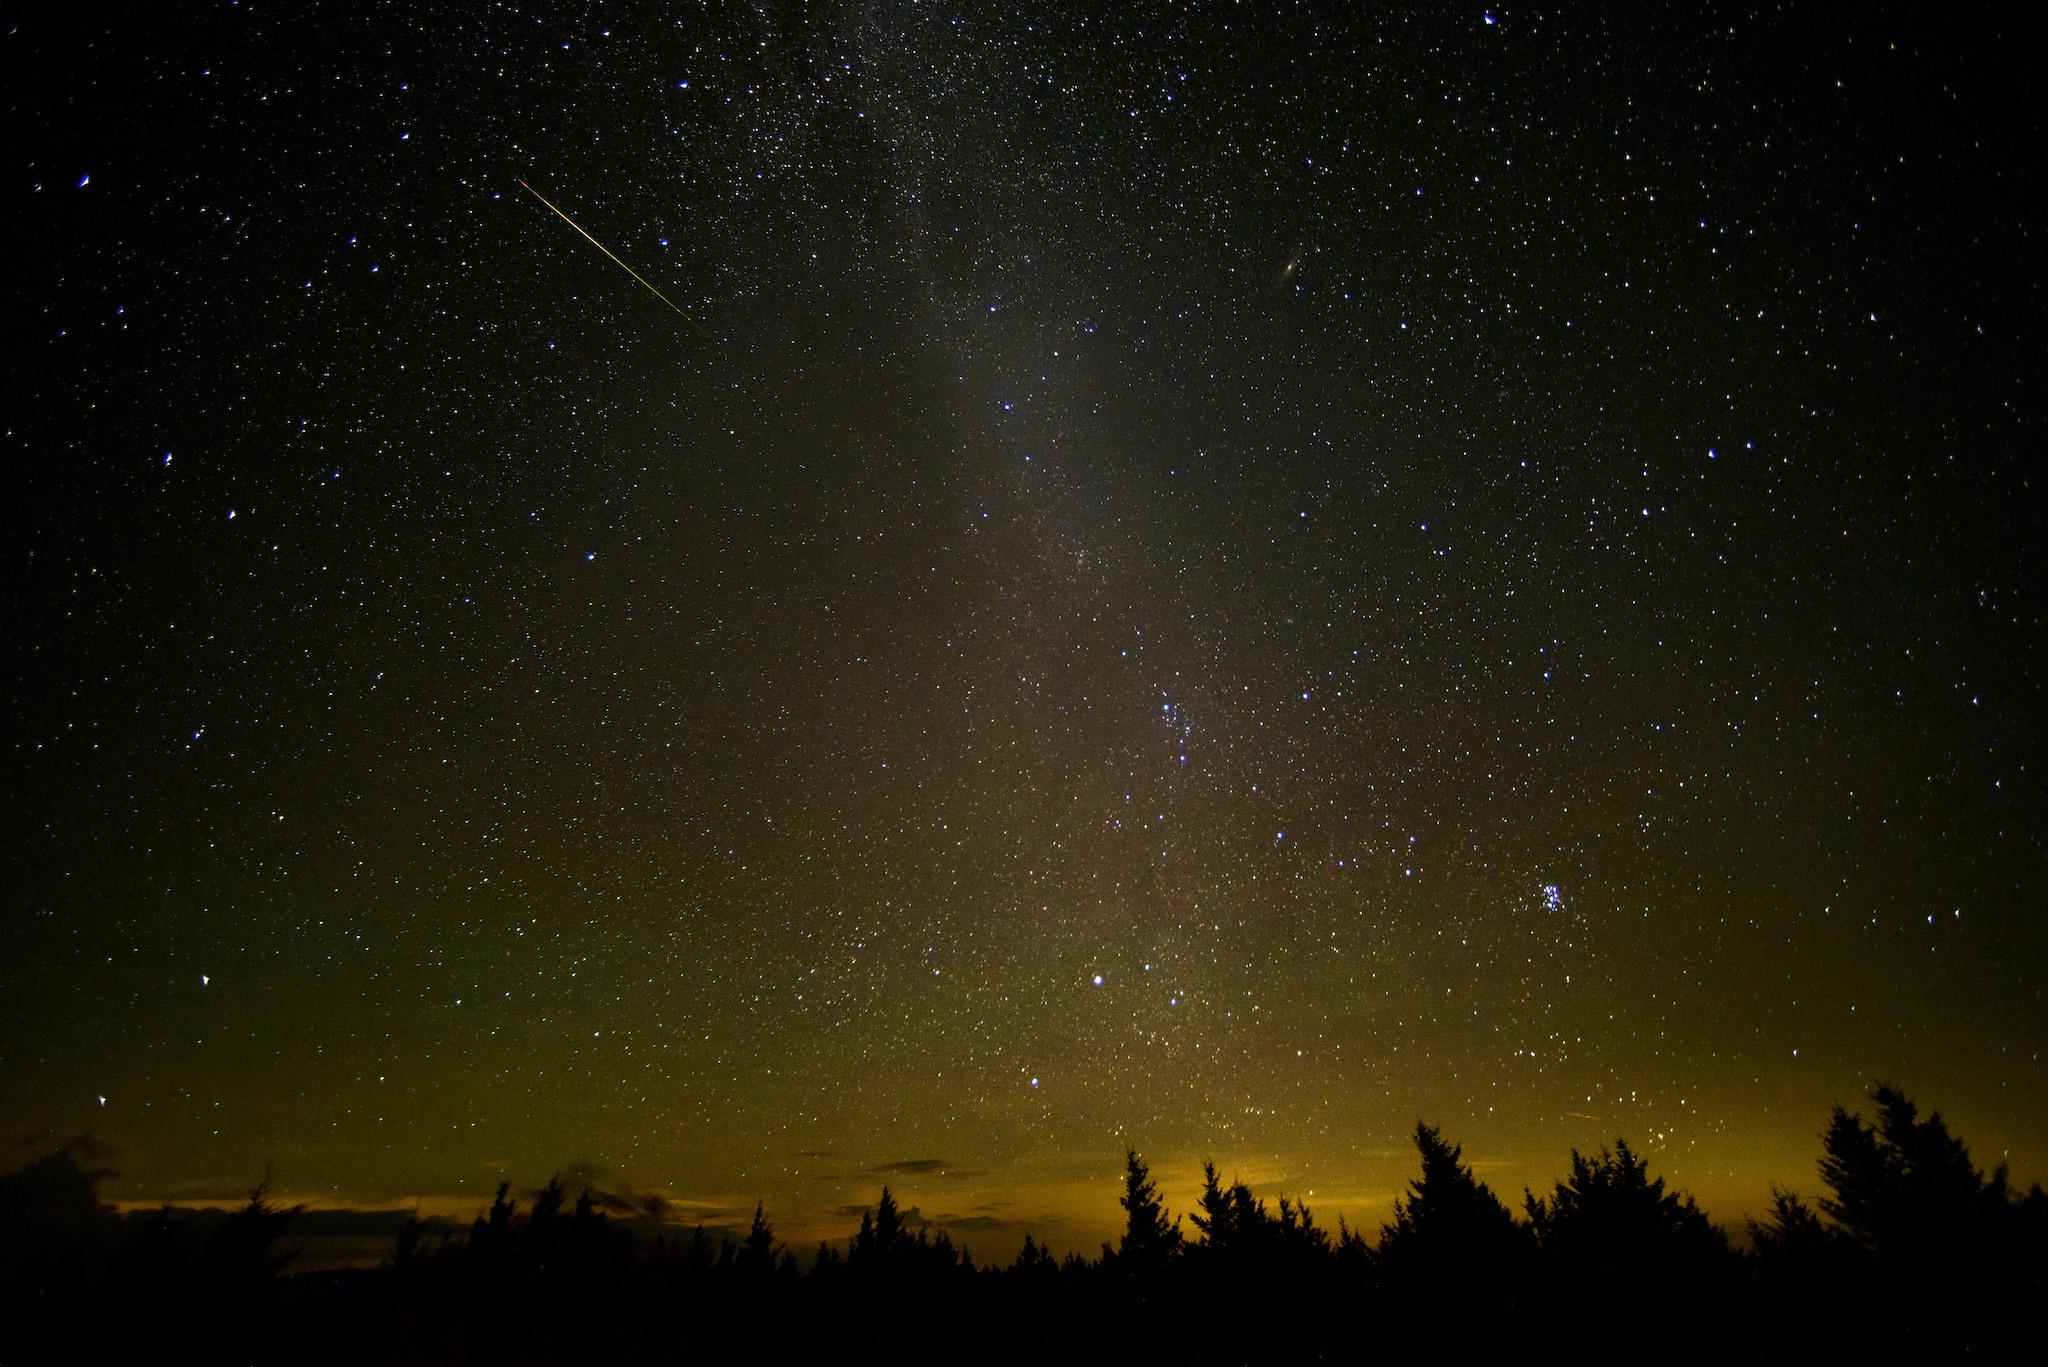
(921, 1167)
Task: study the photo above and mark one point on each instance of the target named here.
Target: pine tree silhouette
(1302, 1242)
(1450, 1232)
(1212, 1209)
(1033, 1260)
(242, 1254)
(1903, 1186)
(1929, 1235)
(1353, 1254)
(889, 1235)
(1804, 1271)
(406, 1249)
(1150, 1241)
(1233, 1223)
(1793, 1232)
(490, 1237)
(698, 1256)
(1661, 1266)
(882, 1241)
(757, 1253)
(1910, 1250)
(235, 1277)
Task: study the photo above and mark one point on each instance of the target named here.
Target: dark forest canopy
(1909, 1252)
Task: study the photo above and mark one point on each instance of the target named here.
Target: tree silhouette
(1450, 1232)
(882, 1240)
(1300, 1239)
(1033, 1260)
(1353, 1255)
(757, 1252)
(1610, 1214)
(1233, 1223)
(1928, 1234)
(1212, 1215)
(406, 1250)
(1910, 1251)
(238, 1265)
(698, 1257)
(1648, 1251)
(1150, 1241)
(53, 1226)
(241, 1254)
(490, 1237)
(827, 1263)
(1803, 1265)
(1902, 1185)
(1793, 1232)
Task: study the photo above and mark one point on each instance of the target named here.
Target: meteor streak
(608, 252)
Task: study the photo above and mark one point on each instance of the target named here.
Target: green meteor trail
(608, 252)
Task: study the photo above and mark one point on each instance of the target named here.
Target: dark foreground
(1912, 1255)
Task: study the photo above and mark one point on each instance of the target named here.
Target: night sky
(1217, 578)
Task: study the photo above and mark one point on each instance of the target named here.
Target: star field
(1209, 577)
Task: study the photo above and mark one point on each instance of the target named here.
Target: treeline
(1909, 1254)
